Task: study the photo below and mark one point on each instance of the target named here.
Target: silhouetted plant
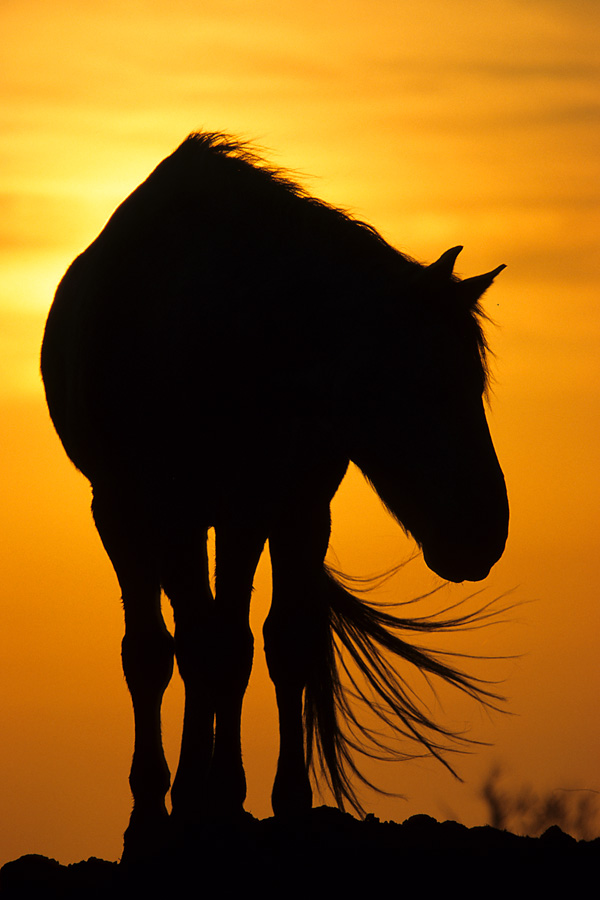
(523, 811)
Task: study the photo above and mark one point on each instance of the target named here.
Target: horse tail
(356, 672)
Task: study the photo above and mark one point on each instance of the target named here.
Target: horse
(215, 359)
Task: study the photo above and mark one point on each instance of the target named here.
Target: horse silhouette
(216, 358)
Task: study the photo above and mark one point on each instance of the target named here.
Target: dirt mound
(327, 853)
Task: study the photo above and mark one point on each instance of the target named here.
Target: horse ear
(442, 268)
(471, 289)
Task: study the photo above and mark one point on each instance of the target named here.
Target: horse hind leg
(214, 649)
(147, 654)
(238, 550)
(185, 579)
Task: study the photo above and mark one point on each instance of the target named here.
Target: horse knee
(147, 662)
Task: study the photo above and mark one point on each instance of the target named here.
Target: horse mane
(280, 183)
(246, 154)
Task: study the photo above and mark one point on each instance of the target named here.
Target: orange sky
(441, 123)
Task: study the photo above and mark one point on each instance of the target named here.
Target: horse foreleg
(293, 633)
(147, 654)
(292, 794)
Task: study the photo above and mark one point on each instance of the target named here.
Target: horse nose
(457, 566)
(469, 552)
(455, 569)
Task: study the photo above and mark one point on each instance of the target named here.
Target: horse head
(418, 422)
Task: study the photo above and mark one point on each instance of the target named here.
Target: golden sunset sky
(442, 122)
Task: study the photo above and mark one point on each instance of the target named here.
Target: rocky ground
(328, 854)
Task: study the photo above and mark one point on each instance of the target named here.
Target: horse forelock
(479, 320)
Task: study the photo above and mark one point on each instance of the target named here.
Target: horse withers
(215, 359)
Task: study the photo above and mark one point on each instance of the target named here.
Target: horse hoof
(146, 836)
(291, 799)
